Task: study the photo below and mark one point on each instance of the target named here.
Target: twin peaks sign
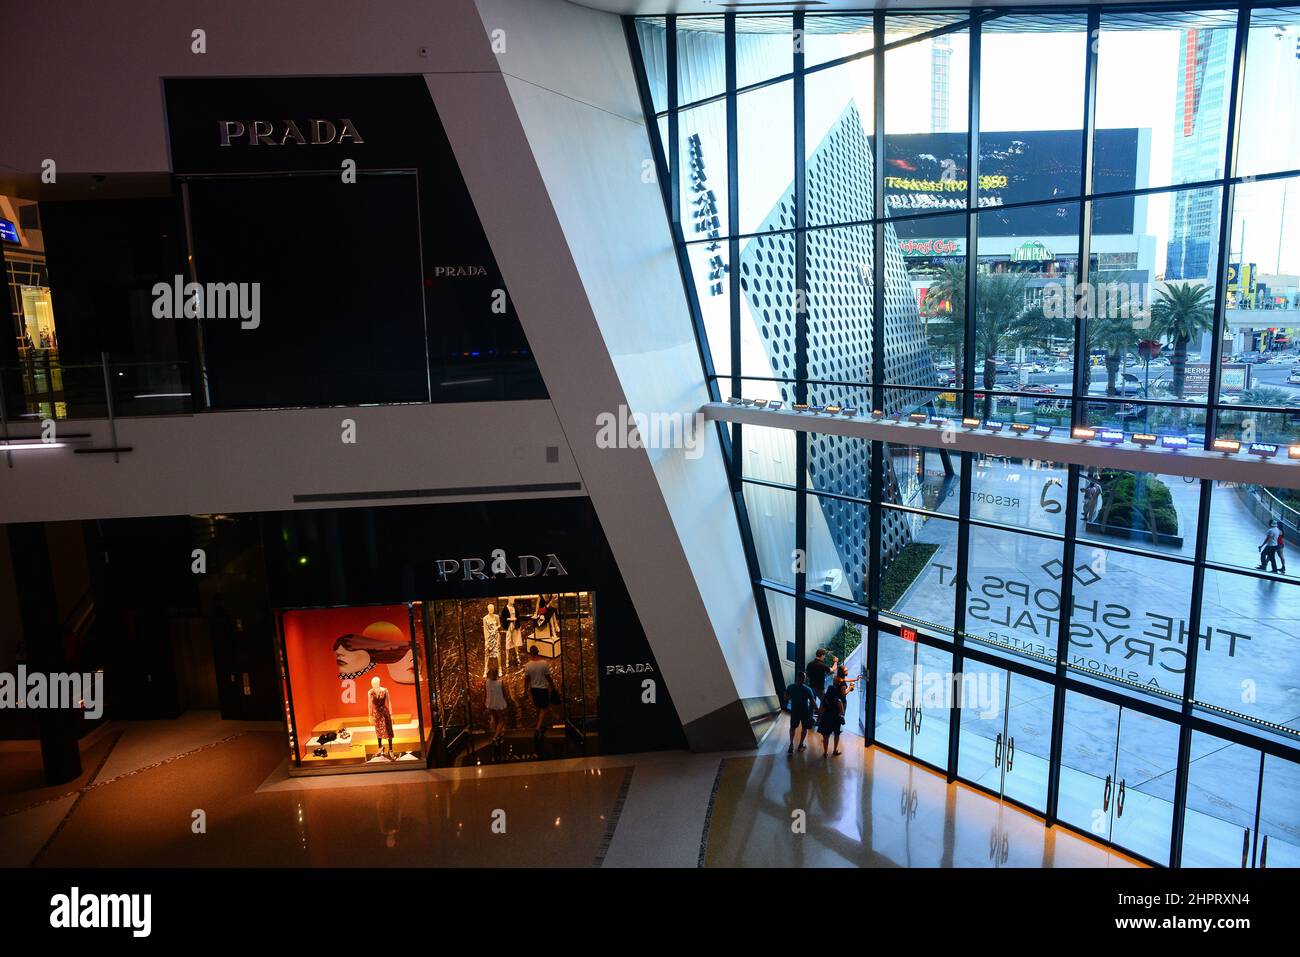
(288, 133)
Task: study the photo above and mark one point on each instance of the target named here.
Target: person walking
(801, 703)
(1268, 547)
(830, 719)
(1281, 547)
(497, 704)
(1091, 499)
(537, 676)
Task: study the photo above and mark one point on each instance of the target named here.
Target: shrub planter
(1134, 534)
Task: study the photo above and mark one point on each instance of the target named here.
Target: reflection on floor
(869, 808)
(519, 744)
(150, 784)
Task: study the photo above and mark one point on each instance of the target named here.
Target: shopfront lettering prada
(288, 132)
(498, 566)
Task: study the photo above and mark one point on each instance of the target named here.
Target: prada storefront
(394, 654)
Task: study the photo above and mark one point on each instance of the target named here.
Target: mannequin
(545, 616)
(491, 639)
(510, 625)
(380, 708)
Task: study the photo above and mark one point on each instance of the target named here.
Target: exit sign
(907, 634)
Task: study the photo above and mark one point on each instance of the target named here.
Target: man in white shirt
(1268, 548)
(537, 676)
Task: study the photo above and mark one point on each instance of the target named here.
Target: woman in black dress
(830, 719)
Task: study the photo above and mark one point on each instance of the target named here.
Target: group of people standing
(812, 703)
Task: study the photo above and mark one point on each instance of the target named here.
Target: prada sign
(288, 132)
(498, 566)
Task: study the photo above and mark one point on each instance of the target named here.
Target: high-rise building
(1198, 150)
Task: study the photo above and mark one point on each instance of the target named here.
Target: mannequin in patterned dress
(380, 709)
(491, 639)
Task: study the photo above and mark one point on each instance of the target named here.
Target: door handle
(1263, 854)
(997, 752)
(1105, 795)
(907, 719)
(917, 719)
(1245, 845)
(1119, 799)
(1011, 752)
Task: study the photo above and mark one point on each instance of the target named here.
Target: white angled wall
(554, 148)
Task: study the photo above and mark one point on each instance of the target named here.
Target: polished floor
(202, 792)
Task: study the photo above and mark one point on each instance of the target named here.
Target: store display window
(356, 688)
(488, 704)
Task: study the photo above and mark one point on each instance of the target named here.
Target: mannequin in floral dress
(491, 639)
(380, 709)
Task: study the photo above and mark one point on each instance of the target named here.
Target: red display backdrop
(324, 645)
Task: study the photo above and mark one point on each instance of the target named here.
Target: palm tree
(1181, 312)
(1002, 319)
(1115, 335)
(948, 287)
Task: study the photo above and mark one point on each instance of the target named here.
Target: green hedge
(902, 571)
(845, 640)
(1134, 501)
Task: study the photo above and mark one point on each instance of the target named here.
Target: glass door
(1006, 725)
(1243, 807)
(1279, 814)
(913, 698)
(1117, 775)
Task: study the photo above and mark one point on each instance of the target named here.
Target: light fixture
(1293, 452)
(993, 425)
(1265, 450)
(848, 411)
(747, 401)
(800, 406)
(1174, 443)
(816, 408)
(917, 417)
(940, 421)
(735, 400)
(970, 423)
(775, 404)
(1227, 446)
(17, 445)
(1020, 428)
(1110, 436)
(1143, 438)
(1042, 430)
(760, 403)
(832, 410)
(877, 413)
(1083, 433)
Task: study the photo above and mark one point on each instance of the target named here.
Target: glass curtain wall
(1041, 217)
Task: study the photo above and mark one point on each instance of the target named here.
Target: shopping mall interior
(707, 434)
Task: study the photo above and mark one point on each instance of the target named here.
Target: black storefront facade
(340, 199)
(353, 589)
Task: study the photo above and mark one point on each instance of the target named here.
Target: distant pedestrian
(1091, 498)
(1268, 548)
(1281, 548)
